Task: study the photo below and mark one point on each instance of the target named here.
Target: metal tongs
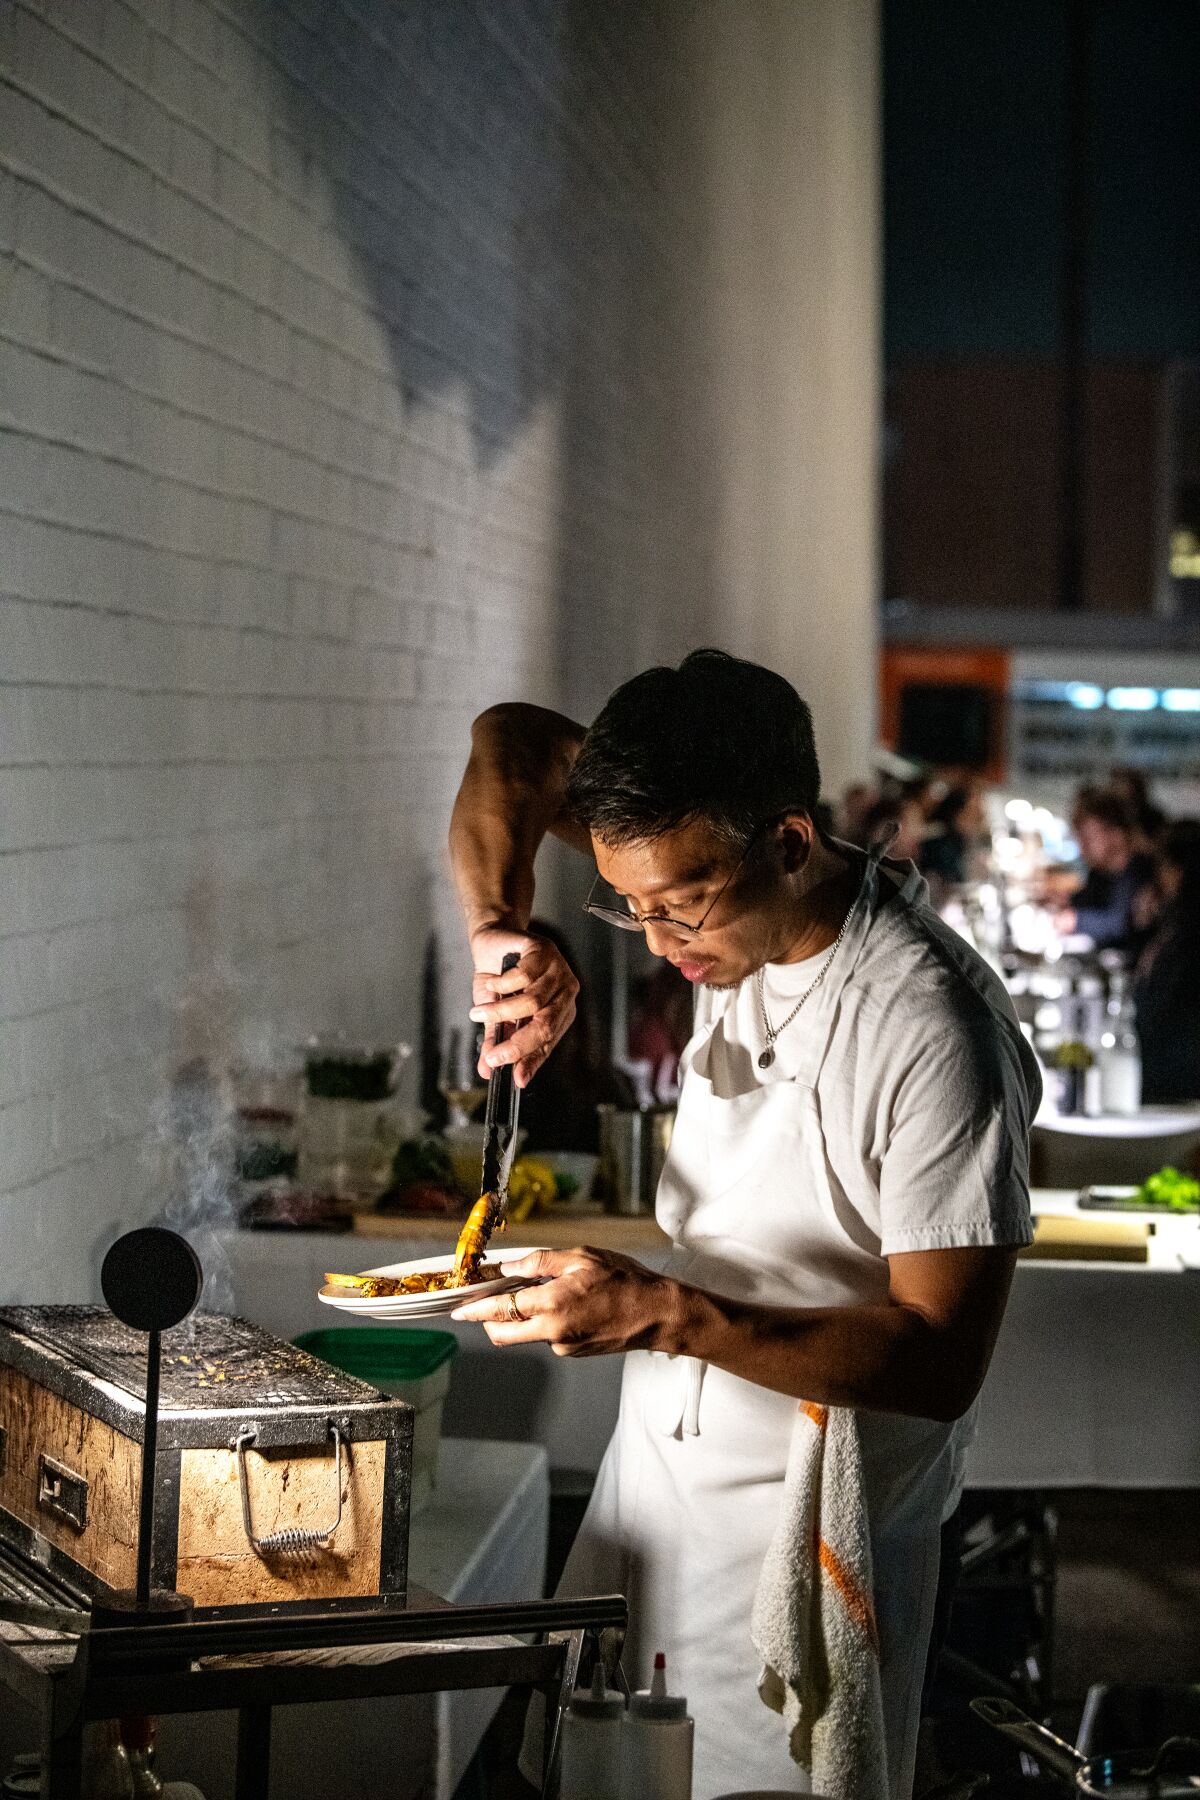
(500, 1120)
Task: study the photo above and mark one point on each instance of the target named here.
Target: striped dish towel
(813, 1621)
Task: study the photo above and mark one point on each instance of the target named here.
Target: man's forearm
(884, 1358)
(511, 795)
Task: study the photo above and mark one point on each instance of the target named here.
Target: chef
(846, 1190)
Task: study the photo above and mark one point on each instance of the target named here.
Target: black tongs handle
(501, 1116)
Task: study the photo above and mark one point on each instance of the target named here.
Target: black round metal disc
(151, 1278)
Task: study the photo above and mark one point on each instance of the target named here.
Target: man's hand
(539, 994)
(590, 1303)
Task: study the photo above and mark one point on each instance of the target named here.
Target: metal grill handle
(294, 1540)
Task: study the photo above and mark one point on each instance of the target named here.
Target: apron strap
(677, 1398)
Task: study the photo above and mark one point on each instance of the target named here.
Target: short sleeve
(955, 1169)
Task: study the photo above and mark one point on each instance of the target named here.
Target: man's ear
(796, 835)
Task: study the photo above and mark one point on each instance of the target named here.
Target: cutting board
(1072, 1239)
(563, 1229)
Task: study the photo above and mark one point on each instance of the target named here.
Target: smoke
(194, 1145)
(191, 1142)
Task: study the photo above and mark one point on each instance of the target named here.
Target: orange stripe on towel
(853, 1599)
(818, 1414)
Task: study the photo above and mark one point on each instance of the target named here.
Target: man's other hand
(587, 1303)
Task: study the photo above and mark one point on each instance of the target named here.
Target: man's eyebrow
(689, 878)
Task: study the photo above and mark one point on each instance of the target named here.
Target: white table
(1074, 1151)
(1094, 1379)
(482, 1537)
(1093, 1383)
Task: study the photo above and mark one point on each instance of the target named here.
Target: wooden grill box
(72, 1408)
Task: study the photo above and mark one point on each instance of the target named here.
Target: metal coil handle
(293, 1541)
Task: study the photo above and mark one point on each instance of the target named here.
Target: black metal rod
(115, 1647)
(253, 1778)
(149, 1450)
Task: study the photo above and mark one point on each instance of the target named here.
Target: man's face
(1101, 845)
(682, 874)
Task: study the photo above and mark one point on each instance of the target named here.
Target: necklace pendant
(766, 1058)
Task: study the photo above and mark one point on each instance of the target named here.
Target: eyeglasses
(625, 919)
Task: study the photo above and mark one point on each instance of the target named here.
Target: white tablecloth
(1093, 1383)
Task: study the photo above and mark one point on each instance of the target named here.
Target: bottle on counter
(1120, 1054)
(106, 1771)
(138, 1733)
(656, 1742)
(1089, 1027)
(591, 1742)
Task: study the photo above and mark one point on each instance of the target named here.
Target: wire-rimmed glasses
(625, 919)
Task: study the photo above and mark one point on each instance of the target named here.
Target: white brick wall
(347, 382)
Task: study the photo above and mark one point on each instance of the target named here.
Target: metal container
(278, 1478)
(633, 1149)
(661, 1124)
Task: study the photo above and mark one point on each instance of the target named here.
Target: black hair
(717, 739)
(1181, 847)
(947, 810)
(1105, 807)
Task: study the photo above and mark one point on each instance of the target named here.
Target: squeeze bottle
(591, 1742)
(656, 1742)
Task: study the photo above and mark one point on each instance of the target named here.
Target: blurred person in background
(857, 801)
(956, 826)
(1109, 905)
(1149, 820)
(905, 811)
(1166, 989)
(660, 1025)
(558, 1110)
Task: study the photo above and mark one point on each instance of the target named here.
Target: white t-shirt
(927, 1088)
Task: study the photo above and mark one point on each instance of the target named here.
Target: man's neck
(829, 883)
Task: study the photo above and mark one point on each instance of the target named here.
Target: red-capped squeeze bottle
(656, 1742)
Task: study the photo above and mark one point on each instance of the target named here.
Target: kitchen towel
(813, 1621)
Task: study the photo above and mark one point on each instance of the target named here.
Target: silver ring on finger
(515, 1315)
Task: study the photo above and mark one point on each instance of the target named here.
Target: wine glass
(458, 1077)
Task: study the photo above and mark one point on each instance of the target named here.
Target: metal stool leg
(253, 1753)
(557, 1700)
(62, 1739)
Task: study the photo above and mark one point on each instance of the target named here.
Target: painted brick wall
(348, 381)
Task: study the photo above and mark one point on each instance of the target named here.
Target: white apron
(688, 1494)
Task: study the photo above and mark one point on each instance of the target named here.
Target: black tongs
(500, 1120)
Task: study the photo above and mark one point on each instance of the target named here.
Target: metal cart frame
(290, 1658)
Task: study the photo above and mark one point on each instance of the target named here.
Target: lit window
(1132, 699)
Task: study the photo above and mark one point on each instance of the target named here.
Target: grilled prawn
(473, 1240)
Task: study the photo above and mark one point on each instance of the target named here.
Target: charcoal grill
(278, 1479)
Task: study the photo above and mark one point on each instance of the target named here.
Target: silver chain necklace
(767, 1056)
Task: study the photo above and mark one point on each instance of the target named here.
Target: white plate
(426, 1306)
